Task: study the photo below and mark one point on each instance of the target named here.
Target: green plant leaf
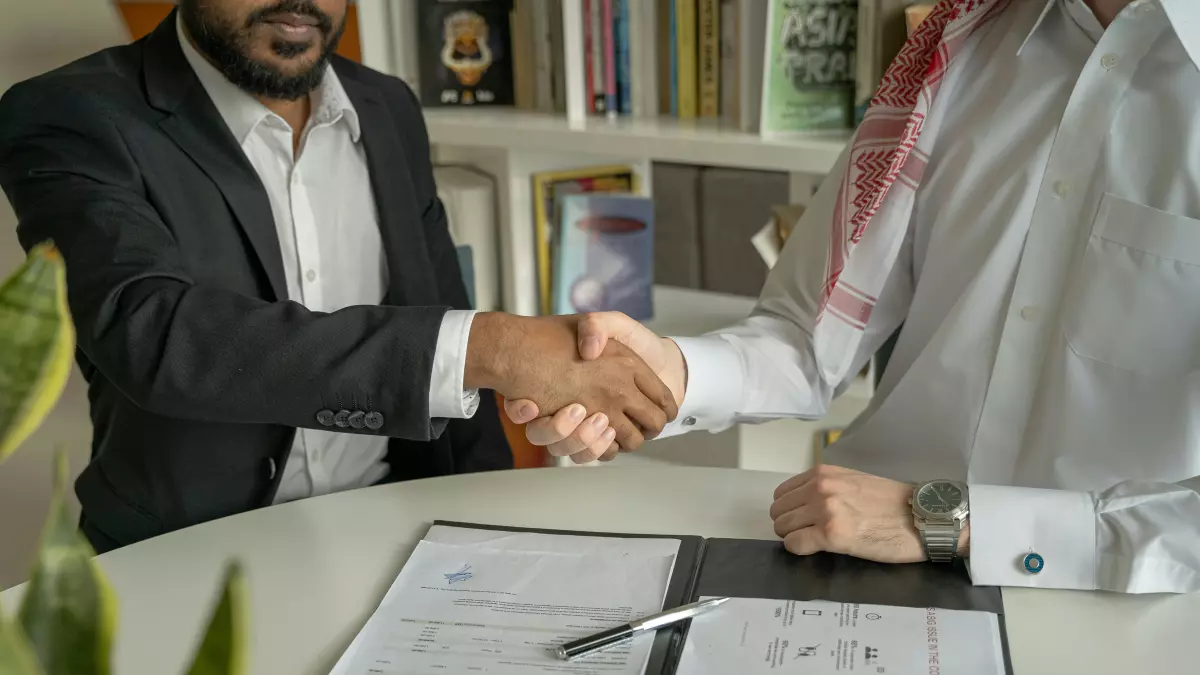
(37, 340)
(16, 656)
(68, 611)
(223, 650)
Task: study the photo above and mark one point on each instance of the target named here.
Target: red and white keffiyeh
(875, 199)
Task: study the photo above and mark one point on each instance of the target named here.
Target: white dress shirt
(329, 240)
(1049, 290)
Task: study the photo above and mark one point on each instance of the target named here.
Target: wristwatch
(939, 509)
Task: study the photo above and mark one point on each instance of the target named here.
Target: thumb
(596, 328)
(520, 411)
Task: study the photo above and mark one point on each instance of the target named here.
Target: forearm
(194, 352)
(1135, 537)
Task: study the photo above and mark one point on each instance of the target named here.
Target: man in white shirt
(1044, 261)
(267, 300)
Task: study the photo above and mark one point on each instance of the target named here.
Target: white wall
(35, 36)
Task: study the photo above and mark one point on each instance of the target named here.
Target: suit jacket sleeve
(478, 443)
(173, 346)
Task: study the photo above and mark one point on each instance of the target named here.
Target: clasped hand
(535, 363)
(566, 433)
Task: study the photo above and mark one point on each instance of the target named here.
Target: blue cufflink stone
(1034, 563)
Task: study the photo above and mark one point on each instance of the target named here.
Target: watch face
(940, 498)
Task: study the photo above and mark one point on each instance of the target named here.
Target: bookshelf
(512, 145)
(660, 139)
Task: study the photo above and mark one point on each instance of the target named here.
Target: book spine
(588, 47)
(730, 77)
(610, 59)
(752, 19)
(543, 86)
(685, 23)
(674, 51)
(624, 58)
(709, 66)
(596, 32)
(557, 60)
(521, 62)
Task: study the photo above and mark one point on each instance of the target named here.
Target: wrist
(486, 366)
(677, 367)
(964, 539)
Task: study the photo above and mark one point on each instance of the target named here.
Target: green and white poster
(809, 72)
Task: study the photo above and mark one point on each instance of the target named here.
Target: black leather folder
(754, 568)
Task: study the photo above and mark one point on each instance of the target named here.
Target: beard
(228, 45)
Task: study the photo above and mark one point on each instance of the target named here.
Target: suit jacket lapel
(194, 124)
(411, 278)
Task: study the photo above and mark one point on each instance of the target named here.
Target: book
(608, 28)
(809, 71)
(805, 588)
(469, 198)
(644, 29)
(605, 258)
(593, 28)
(548, 190)
(624, 67)
(557, 60)
(668, 102)
(709, 58)
(730, 47)
(524, 60)
(465, 52)
(686, 81)
(542, 46)
(752, 43)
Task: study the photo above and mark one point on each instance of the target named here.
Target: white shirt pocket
(1134, 302)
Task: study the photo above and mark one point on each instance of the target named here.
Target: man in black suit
(261, 277)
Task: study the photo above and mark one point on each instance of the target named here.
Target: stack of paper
(473, 600)
(748, 636)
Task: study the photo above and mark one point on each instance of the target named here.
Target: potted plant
(67, 618)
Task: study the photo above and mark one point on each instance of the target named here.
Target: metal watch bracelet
(941, 541)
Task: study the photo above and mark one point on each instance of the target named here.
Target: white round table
(317, 568)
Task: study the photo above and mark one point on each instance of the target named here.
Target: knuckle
(822, 485)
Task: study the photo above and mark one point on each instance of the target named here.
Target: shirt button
(689, 421)
(1110, 61)
(1029, 313)
(1063, 188)
(311, 275)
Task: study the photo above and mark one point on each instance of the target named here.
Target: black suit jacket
(199, 369)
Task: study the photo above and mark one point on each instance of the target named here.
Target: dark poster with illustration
(465, 52)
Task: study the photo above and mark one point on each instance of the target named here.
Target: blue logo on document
(462, 575)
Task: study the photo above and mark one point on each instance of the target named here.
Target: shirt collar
(1184, 16)
(242, 112)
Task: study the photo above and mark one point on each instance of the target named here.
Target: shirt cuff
(1008, 523)
(447, 398)
(714, 386)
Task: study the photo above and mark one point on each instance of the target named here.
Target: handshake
(556, 370)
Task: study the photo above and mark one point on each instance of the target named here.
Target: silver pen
(592, 643)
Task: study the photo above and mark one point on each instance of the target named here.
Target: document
(491, 607)
(750, 636)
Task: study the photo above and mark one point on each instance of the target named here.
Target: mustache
(302, 7)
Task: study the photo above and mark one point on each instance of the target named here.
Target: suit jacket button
(341, 419)
(357, 419)
(325, 418)
(374, 420)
